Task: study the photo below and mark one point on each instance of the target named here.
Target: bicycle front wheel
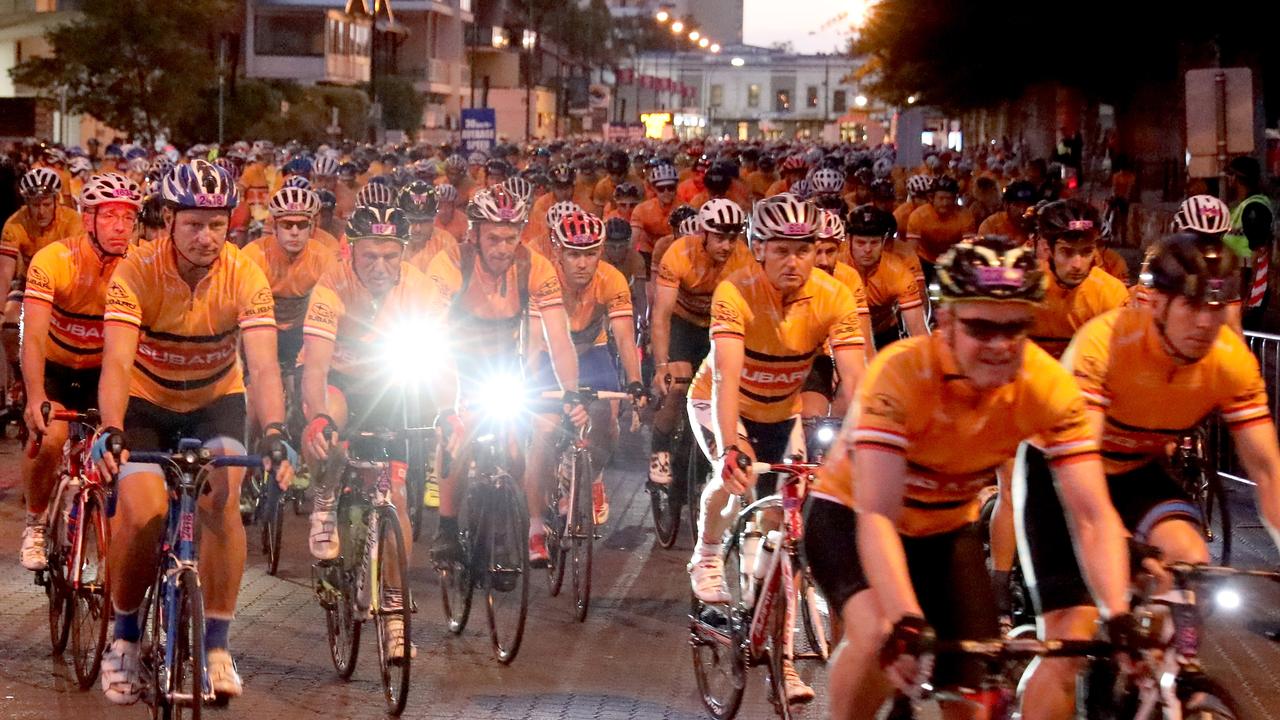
(57, 584)
(394, 653)
(178, 625)
(815, 617)
(719, 650)
(341, 625)
(582, 533)
(777, 650)
(273, 529)
(506, 569)
(457, 584)
(91, 596)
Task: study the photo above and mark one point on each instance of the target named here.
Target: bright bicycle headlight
(501, 397)
(412, 352)
(826, 434)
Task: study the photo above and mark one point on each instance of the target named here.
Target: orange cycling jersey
(687, 267)
(914, 402)
(688, 189)
(1000, 224)
(71, 277)
(187, 346)
(291, 279)
(583, 194)
(891, 284)
(902, 214)
(1114, 264)
(660, 248)
(439, 241)
(780, 337)
(456, 225)
(489, 307)
(21, 239)
(738, 192)
(1065, 310)
(606, 297)
(933, 234)
(778, 187)
(343, 312)
(536, 232)
(758, 182)
(1149, 399)
(852, 280)
(651, 217)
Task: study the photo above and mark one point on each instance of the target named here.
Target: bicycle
(264, 503)
(75, 578)
(1191, 467)
(753, 628)
(493, 533)
(173, 652)
(353, 588)
(570, 514)
(689, 471)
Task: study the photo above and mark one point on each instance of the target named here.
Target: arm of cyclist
(119, 346)
(35, 337)
(623, 329)
(728, 352)
(1259, 453)
(879, 546)
(1099, 536)
(268, 390)
(564, 358)
(664, 303)
(850, 363)
(8, 267)
(913, 318)
(318, 355)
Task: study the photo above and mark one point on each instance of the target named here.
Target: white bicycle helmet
(376, 194)
(110, 188)
(831, 227)
(561, 209)
(801, 189)
(883, 167)
(80, 165)
(783, 217)
(39, 181)
(498, 205)
(721, 215)
(689, 226)
(1203, 214)
(446, 193)
(663, 174)
(138, 166)
(291, 201)
(519, 186)
(578, 231)
(825, 181)
(324, 166)
(919, 185)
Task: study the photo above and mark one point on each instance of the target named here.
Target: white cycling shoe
(394, 625)
(223, 677)
(120, 676)
(706, 575)
(797, 690)
(34, 554)
(323, 539)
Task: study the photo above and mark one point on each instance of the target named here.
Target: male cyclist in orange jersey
(483, 290)
(818, 394)
(792, 169)
(892, 290)
(892, 510)
(448, 216)
(917, 197)
(1147, 374)
(649, 221)
(358, 312)
(537, 232)
(427, 239)
(62, 335)
(598, 302)
(176, 309)
(1012, 220)
(769, 319)
(681, 313)
(936, 226)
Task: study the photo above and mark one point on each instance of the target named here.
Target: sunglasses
(665, 188)
(988, 330)
(294, 224)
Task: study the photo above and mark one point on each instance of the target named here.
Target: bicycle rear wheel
(57, 585)
(506, 569)
(91, 603)
(719, 659)
(558, 531)
(273, 528)
(179, 619)
(1218, 507)
(341, 625)
(582, 533)
(665, 506)
(393, 554)
(1204, 698)
(416, 485)
(815, 617)
(457, 585)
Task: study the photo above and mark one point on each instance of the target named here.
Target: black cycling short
(289, 345)
(689, 342)
(822, 377)
(370, 403)
(1143, 497)
(948, 572)
(885, 338)
(73, 389)
(148, 426)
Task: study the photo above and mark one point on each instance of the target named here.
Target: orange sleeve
(728, 312)
(544, 284)
(1246, 393)
(48, 272)
(323, 312)
(616, 293)
(257, 306)
(123, 303)
(673, 267)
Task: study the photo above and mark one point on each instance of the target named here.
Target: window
(839, 101)
(289, 35)
(811, 96)
(782, 101)
(753, 95)
(717, 95)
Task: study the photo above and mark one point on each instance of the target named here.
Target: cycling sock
(392, 599)
(703, 550)
(33, 519)
(217, 632)
(661, 441)
(127, 627)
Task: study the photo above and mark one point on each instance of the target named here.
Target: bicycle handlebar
(587, 394)
(184, 458)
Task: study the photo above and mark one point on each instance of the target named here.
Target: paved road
(629, 660)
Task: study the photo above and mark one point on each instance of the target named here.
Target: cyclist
(888, 280)
(354, 310)
(448, 216)
(1012, 220)
(936, 226)
(328, 220)
(683, 222)
(917, 197)
(598, 302)
(175, 311)
(681, 313)
(484, 288)
(626, 197)
(618, 172)
(584, 189)
(761, 176)
(151, 218)
(620, 252)
(792, 169)
(418, 202)
(934, 417)
(828, 241)
(693, 185)
(649, 221)
(537, 232)
(1147, 374)
(1209, 218)
(40, 221)
(721, 181)
(769, 320)
(62, 334)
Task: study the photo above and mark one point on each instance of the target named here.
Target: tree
(141, 66)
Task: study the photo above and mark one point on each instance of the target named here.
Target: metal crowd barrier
(1266, 348)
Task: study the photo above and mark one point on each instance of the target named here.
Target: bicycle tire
(393, 553)
(776, 650)
(186, 631)
(1204, 698)
(665, 507)
(57, 587)
(506, 566)
(1217, 495)
(582, 538)
(711, 658)
(817, 629)
(273, 531)
(91, 607)
(341, 624)
(558, 528)
(416, 484)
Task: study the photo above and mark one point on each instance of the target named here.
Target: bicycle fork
(778, 586)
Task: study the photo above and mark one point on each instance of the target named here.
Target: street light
(911, 99)
(703, 43)
(736, 62)
(694, 35)
(860, 101)
(662, 16)
(677, 27)
(715, 47)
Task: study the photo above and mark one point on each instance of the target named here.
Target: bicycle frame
(76, 466)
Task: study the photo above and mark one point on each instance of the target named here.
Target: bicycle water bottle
(766, 553)
(751, 539)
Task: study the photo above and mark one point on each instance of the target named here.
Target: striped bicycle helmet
(199, 184)
(919, 185)
(379, 223)
(722, 216)
(376, 194)
(110, 188)
(498, 205)
(831, 227)
(39, 181)
(291, 201)
(578, 231)
(559, 210)
(783, 217)
(1203, 214)
(446, 193)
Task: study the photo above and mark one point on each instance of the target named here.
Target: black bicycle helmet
(418, 201)
(990, 268)
(617, 230)
(870, 221)
(1020, 191)
(1194, 266)
(378, 222)
(679, 215)
(946, 184)
(1070, 219)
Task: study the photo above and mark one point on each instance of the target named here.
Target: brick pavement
(629, 660)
